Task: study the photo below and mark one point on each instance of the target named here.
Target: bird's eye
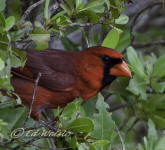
(105, 58)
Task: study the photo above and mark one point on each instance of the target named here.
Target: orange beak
(121, 70)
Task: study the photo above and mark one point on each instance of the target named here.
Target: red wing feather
(57, 73)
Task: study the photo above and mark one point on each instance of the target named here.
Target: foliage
(91, 125)
(152, 141)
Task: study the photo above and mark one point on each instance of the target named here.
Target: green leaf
(13, 116)
(158, 86)
(21, 55)
(2, 19)
(135, 62)
(82, 146)
(104, 125)
(107, 3)
(69, 110)
(41, 40)
(69, 45)
(92, 147)
(79, 4)
(150, 61)
(81, 125)
(159, 120)
(124, 41)
(15, 61)
(2, 64)
(66, 9)
(89, 108)
(112, 39)
(2, 5)
(160, 145)
(10, 21)
(152, 133)
(63, 21)
(101, 142)
(15, 9)
(158, 70)
(46, 10)
(73, 142)
(123, 19)
(119, 85)
(61, 13)
(156, 101)
(138, 86)
(95, 6)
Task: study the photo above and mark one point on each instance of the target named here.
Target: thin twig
(48, 125)
(34, 93)
(142, 45)
(118, 107)
(92, 24)
(121, 139)
(33, 97)
(28, 11)
(133, 124)
(42, 147)
(126, 120)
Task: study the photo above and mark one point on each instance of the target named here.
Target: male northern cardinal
(66, 75)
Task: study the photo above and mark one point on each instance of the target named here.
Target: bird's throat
(107, 78)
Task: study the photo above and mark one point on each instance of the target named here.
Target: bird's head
(113, 62)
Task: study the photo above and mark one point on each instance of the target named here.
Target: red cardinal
(66, 76)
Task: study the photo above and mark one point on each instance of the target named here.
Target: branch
(118, 107)
(28, 11)
(137, 16)
(33, 96)
(121, 139)
(34, 93)
(41, 147)
(149, 44)
(133, 124)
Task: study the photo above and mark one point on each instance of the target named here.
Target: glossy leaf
(41, 40)
(69, 110)
(15, 61)
(2, 64)
(158, 87)
(46, 11)
(158, 70)
(112, 39)
(138, 86)
(81, 125)
(10, 21)
(95, 6)
(104, 125)
(160, 145)
(2, 19)
(135, 63)
(123, 19)
(107, 3)
(124, 41)
(2, 5)
(101, 142)
(79, 4)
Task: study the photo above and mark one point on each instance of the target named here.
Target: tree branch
(28, 11)
(137, 16)
(118, 107)
(33, 96)
(149, 44)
